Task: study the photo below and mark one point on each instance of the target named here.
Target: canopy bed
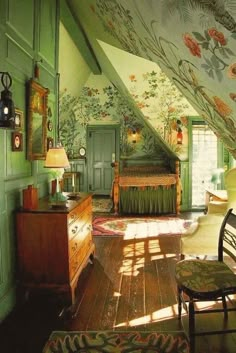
(146, 189)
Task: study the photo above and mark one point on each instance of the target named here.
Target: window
(204, 161)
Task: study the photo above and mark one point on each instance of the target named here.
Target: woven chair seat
(205, 278)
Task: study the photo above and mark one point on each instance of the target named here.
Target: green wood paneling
(20, 20)
(185, 194)
(18, 57)
(2, 154)
(47, 30)
(28, 33)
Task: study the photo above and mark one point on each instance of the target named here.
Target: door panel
(101, 150)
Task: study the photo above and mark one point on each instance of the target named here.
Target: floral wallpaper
(193, 42)
(105, 105)
(164, 107)
(161, 103)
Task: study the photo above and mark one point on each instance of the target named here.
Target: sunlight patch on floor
(163, 314)
(151, 228)
(157, 316)
(137, 253)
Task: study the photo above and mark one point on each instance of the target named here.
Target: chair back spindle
(227, 238)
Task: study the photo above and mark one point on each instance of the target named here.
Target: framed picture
(19, 123)
(50, 126)
(17, 141)
(49, 142)
(37, 120)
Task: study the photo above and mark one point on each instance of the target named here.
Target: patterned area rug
(116, 342)
(140, 227)
(103, 205)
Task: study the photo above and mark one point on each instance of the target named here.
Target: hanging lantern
(7, 109)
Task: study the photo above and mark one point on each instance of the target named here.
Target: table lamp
(56, 158)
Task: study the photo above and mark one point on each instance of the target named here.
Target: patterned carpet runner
(116, 342)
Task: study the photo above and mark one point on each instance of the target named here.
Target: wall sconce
(134, 136)
(179, 137)
(7, 109)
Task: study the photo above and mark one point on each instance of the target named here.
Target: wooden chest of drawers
(54, 245)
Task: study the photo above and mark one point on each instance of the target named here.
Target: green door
(102, 151)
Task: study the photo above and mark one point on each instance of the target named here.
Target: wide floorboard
(130, 286)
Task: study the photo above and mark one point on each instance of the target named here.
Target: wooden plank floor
(130, 286)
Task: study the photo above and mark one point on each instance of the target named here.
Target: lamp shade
(56, 158)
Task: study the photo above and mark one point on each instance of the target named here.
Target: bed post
(178, 187)
(116, 188)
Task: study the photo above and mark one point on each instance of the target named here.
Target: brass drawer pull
(75, 230)
(74, 247)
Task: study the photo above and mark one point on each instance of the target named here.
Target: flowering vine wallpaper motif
(164, 106)
(167, 115)
(193, 42)
(105, 106)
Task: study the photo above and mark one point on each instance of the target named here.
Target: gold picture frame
(37, 121)
(19, 119)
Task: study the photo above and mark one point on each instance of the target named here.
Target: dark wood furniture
(54, 245)
(210, 280)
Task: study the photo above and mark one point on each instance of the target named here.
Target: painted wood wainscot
(54, 245)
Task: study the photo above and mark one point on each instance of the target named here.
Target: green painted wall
(29, 33)
(73, 69)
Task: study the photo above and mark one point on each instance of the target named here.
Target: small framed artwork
(18, 119)
(50, 126)
(17, 141)
(49, 142)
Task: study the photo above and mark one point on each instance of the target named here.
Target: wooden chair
(209, 280)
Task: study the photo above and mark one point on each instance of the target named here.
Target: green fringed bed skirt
(148, 201)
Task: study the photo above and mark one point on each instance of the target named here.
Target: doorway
(103, 142)
(204, 160)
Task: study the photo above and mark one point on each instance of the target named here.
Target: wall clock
(82, 151)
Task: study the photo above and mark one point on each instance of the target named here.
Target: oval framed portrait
(50, 125)
(17, 141)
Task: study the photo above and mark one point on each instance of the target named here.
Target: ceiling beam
(75, 30)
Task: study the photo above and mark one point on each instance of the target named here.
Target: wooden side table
(71, 179)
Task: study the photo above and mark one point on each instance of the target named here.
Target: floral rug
(103, 205)
(140, 227)
(116, 342)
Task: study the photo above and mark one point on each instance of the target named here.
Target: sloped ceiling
(193, 42)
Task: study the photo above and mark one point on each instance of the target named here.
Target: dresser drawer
(76, 212)
(80, 224)
(79, 256)
(76, 242)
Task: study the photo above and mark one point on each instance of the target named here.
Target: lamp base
(58, 200)
(74, 196)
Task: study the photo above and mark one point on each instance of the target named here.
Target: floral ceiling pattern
(193, 42)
